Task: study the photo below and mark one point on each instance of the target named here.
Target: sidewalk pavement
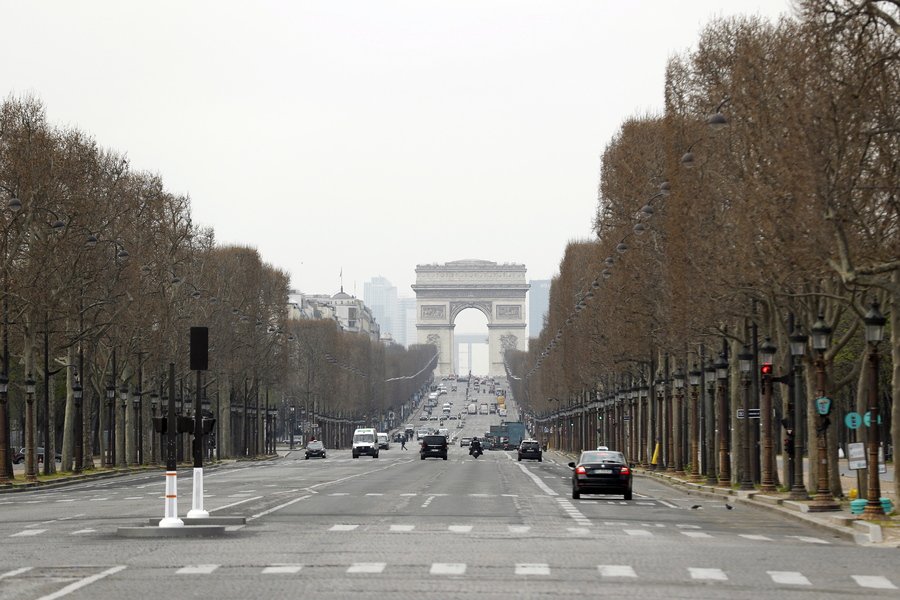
(840, 522)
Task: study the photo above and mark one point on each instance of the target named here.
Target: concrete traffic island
(188, 531)
(191, 521)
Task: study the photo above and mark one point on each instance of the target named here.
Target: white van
(383, 442)
(445, 433)
(365, 441)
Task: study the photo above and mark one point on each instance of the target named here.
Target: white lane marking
(427, 502)
(696, 534)
(367, 567)
(196, 570)
(713, 574)
(282, 569)
(134, 498)
(238, 495)
(616, 571)
(80, 531)
(69, 500)
(448, 568)
(413, 494)
(579, 530)
(686, 526)
(809, 540)
(402, 527)
(81, 583)
(532, 569)
(343, 527)
(519, 528)
(510, 495)
(788, 577)
(480, 495)
(15, 572)
(755, 537)
(234, 504)
(573, 512)
(638, 532)
(537, 480)
(646, 503)
(279, 507)
(98, 499)
(374, 494)
(669, 504)
(874, 581)
(339, 494)
(28, 532)
(460, 528)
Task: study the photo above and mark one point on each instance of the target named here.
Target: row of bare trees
(768, 190)
(104, 273)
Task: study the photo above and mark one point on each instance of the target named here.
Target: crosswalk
(623, 573)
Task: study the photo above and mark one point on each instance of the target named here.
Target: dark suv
(531, 449)
(433, 445)
(315, 448)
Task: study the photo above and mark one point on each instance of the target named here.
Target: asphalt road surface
(401, 527)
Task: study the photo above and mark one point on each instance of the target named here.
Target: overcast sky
(367, 136)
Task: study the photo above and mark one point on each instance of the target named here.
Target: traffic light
(766, 368)
(209, 425)
(159, 424)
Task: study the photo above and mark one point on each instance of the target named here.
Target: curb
(842, 525)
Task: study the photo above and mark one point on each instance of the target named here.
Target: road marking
(755, 537)
(510, 495)
(98, 499)
(810, 540)
(427, 502)
(196, 570)
(788, 577)
(279, 507)
(579, 530)
(28, 532)
(413, 494)
(696, 534)
(638, 532)
(402, 527)
(67, 500)
(234, 527)
(128, 498)
(82, 583)
(537, 480)
(282, 569)
(343, 527)
(460, 528)
(80, 531)
(532, 569)
(646, 503)
(874, 581)
(519, 528)
(669, 504)
(339, 494)
(480, 495)
(448, 568)
(367, 567)
(15, 572)
(374, 494)
(234, 504)
(713, 574)
(616, 571)
(685, 526)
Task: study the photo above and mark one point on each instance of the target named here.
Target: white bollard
(171, 519)
(197, 511)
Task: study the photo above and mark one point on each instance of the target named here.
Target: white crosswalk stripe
(282, 569)
(448, 568)
(876, 582)
(197, 570)
(343, 527)
(616, 571)
(808, 539)
(518, 528)
(532, 569)
(788, 577)
(402, 527)
(695, 534)
(711, 574)
(758, 538)
(367, 567)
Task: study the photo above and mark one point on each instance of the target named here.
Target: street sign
(754, 413)
(867, 419)
(823, 405)
(856, 454)
(853, 420)
(626, 418)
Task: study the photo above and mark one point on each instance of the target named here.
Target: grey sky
(370, 135)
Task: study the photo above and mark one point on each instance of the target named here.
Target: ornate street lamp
(123, 398)
(874, 321)
(4, 419)
(797, 417)
(110, 424)
(724, 471)
(767, 354)
(823, 500)
(77, 392)
(154, 446)
(30, 474)
(677, 425)
(745, 360)
(709, 433)
(694, 420)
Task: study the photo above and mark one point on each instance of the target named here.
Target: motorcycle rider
(475, 446)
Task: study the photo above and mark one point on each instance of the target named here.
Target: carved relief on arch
(485, 306)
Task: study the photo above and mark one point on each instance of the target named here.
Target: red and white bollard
(171, 519)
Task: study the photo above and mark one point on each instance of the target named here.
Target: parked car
(433, 445)
(19, 457)
(530, 449)
(601, 472)
(315, 448)
(464, 441)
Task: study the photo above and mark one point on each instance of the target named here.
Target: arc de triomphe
(445, 290)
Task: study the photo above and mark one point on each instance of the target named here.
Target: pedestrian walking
(403, 443)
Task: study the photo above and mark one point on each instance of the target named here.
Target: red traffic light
(766, 368)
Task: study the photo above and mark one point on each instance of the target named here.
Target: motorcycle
(476, 451)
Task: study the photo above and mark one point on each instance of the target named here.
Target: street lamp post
(823, 500)
(77, 392)
(154, 445)
(677, 425)
(796, 417)
(123, 397)
(745, 359)
(136, 405)
(4, 442)
(724, 458)
(293, 425)
(767, 351)
(710, 433)
(110, 424)
(874, 322)
(694, 379)
(30, 474)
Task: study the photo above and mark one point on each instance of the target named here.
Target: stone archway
(445, 290)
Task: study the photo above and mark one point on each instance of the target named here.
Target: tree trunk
(68, 441)
(895, 376)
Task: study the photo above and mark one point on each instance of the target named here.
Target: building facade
(538, 305)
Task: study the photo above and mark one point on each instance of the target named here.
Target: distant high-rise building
(406, 322)
(538, 305)
(380, 295)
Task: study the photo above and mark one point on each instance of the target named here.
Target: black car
(531, 449)
(433, 445)
(601, 472)
(315, 448)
